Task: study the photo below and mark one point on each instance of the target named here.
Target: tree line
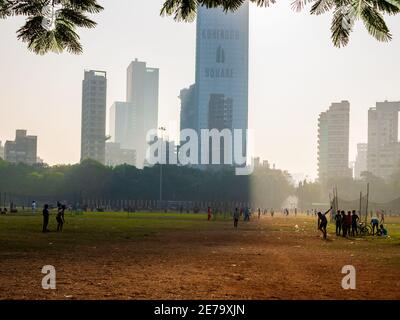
(92, 180)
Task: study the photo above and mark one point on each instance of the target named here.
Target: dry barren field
(172, 256)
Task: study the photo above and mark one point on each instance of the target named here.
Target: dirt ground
(266, 259)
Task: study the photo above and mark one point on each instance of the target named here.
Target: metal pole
(366, 207)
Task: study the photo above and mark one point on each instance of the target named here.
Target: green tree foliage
(74, 14)
(90, 179)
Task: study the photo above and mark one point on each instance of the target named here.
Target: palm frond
(342, 25)
(322, 6)
(375, 24)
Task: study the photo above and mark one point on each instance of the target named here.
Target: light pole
(162, 129)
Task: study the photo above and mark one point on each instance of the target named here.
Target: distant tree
(64, 16)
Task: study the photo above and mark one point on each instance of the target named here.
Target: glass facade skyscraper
(222, 45)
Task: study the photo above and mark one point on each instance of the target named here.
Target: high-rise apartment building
(93, 130)
(22, 150)
(383, 145)
(123, 124)
(360, 164)
(333, 142)
(142, 92)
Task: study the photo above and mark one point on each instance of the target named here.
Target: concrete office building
(93, 130)
(333, 142)
(383, 146)
(122, 124)
(142, 92)
(116, 155)
(360, 165)
(22, 150)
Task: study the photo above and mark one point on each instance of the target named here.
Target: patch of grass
(23, 232)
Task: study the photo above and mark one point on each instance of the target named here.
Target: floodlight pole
(162, 129)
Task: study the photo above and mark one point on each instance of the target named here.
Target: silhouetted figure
(323, 222)
(354, 222)
(209, 213)
(338, 221)
(236, 215)
(344, 226)
(60, 217)
(46, 215)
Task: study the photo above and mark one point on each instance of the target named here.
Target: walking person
(323, 222)
(60, 217)
(354, 222)
(236, 216)
(259, 213)
(46, 215)
(338, 221)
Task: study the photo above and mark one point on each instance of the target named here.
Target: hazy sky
(295, 73)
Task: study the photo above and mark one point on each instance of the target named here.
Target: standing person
(354, 221)
(259, 213)
(348, 222)
(295, 212)
(382, 217)
(33, 206)
(272, 212)
(60, 217)
(344, 225)
(209, 213)
(323, 222)
(236, 215)
(338, 221)
(46, 215)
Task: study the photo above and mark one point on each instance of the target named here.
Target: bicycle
(363, 229)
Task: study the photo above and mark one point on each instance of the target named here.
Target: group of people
(59, 217)
(348, 224)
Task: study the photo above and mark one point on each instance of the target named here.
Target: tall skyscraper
(123, 124)
(383, 145)
(1, 151)
(93, 131)
(142, 92)
(360, 164)
(22, 150)
(333, 142)
(188, 108)
(222, 45)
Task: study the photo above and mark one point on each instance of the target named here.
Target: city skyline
(61, 107)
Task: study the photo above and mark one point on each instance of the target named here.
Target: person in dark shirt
(338, 220)
(46, 215)
(354, 221)
(323, 222)
(344, 226)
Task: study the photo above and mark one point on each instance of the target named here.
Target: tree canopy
(92, 180)
(51, 24)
